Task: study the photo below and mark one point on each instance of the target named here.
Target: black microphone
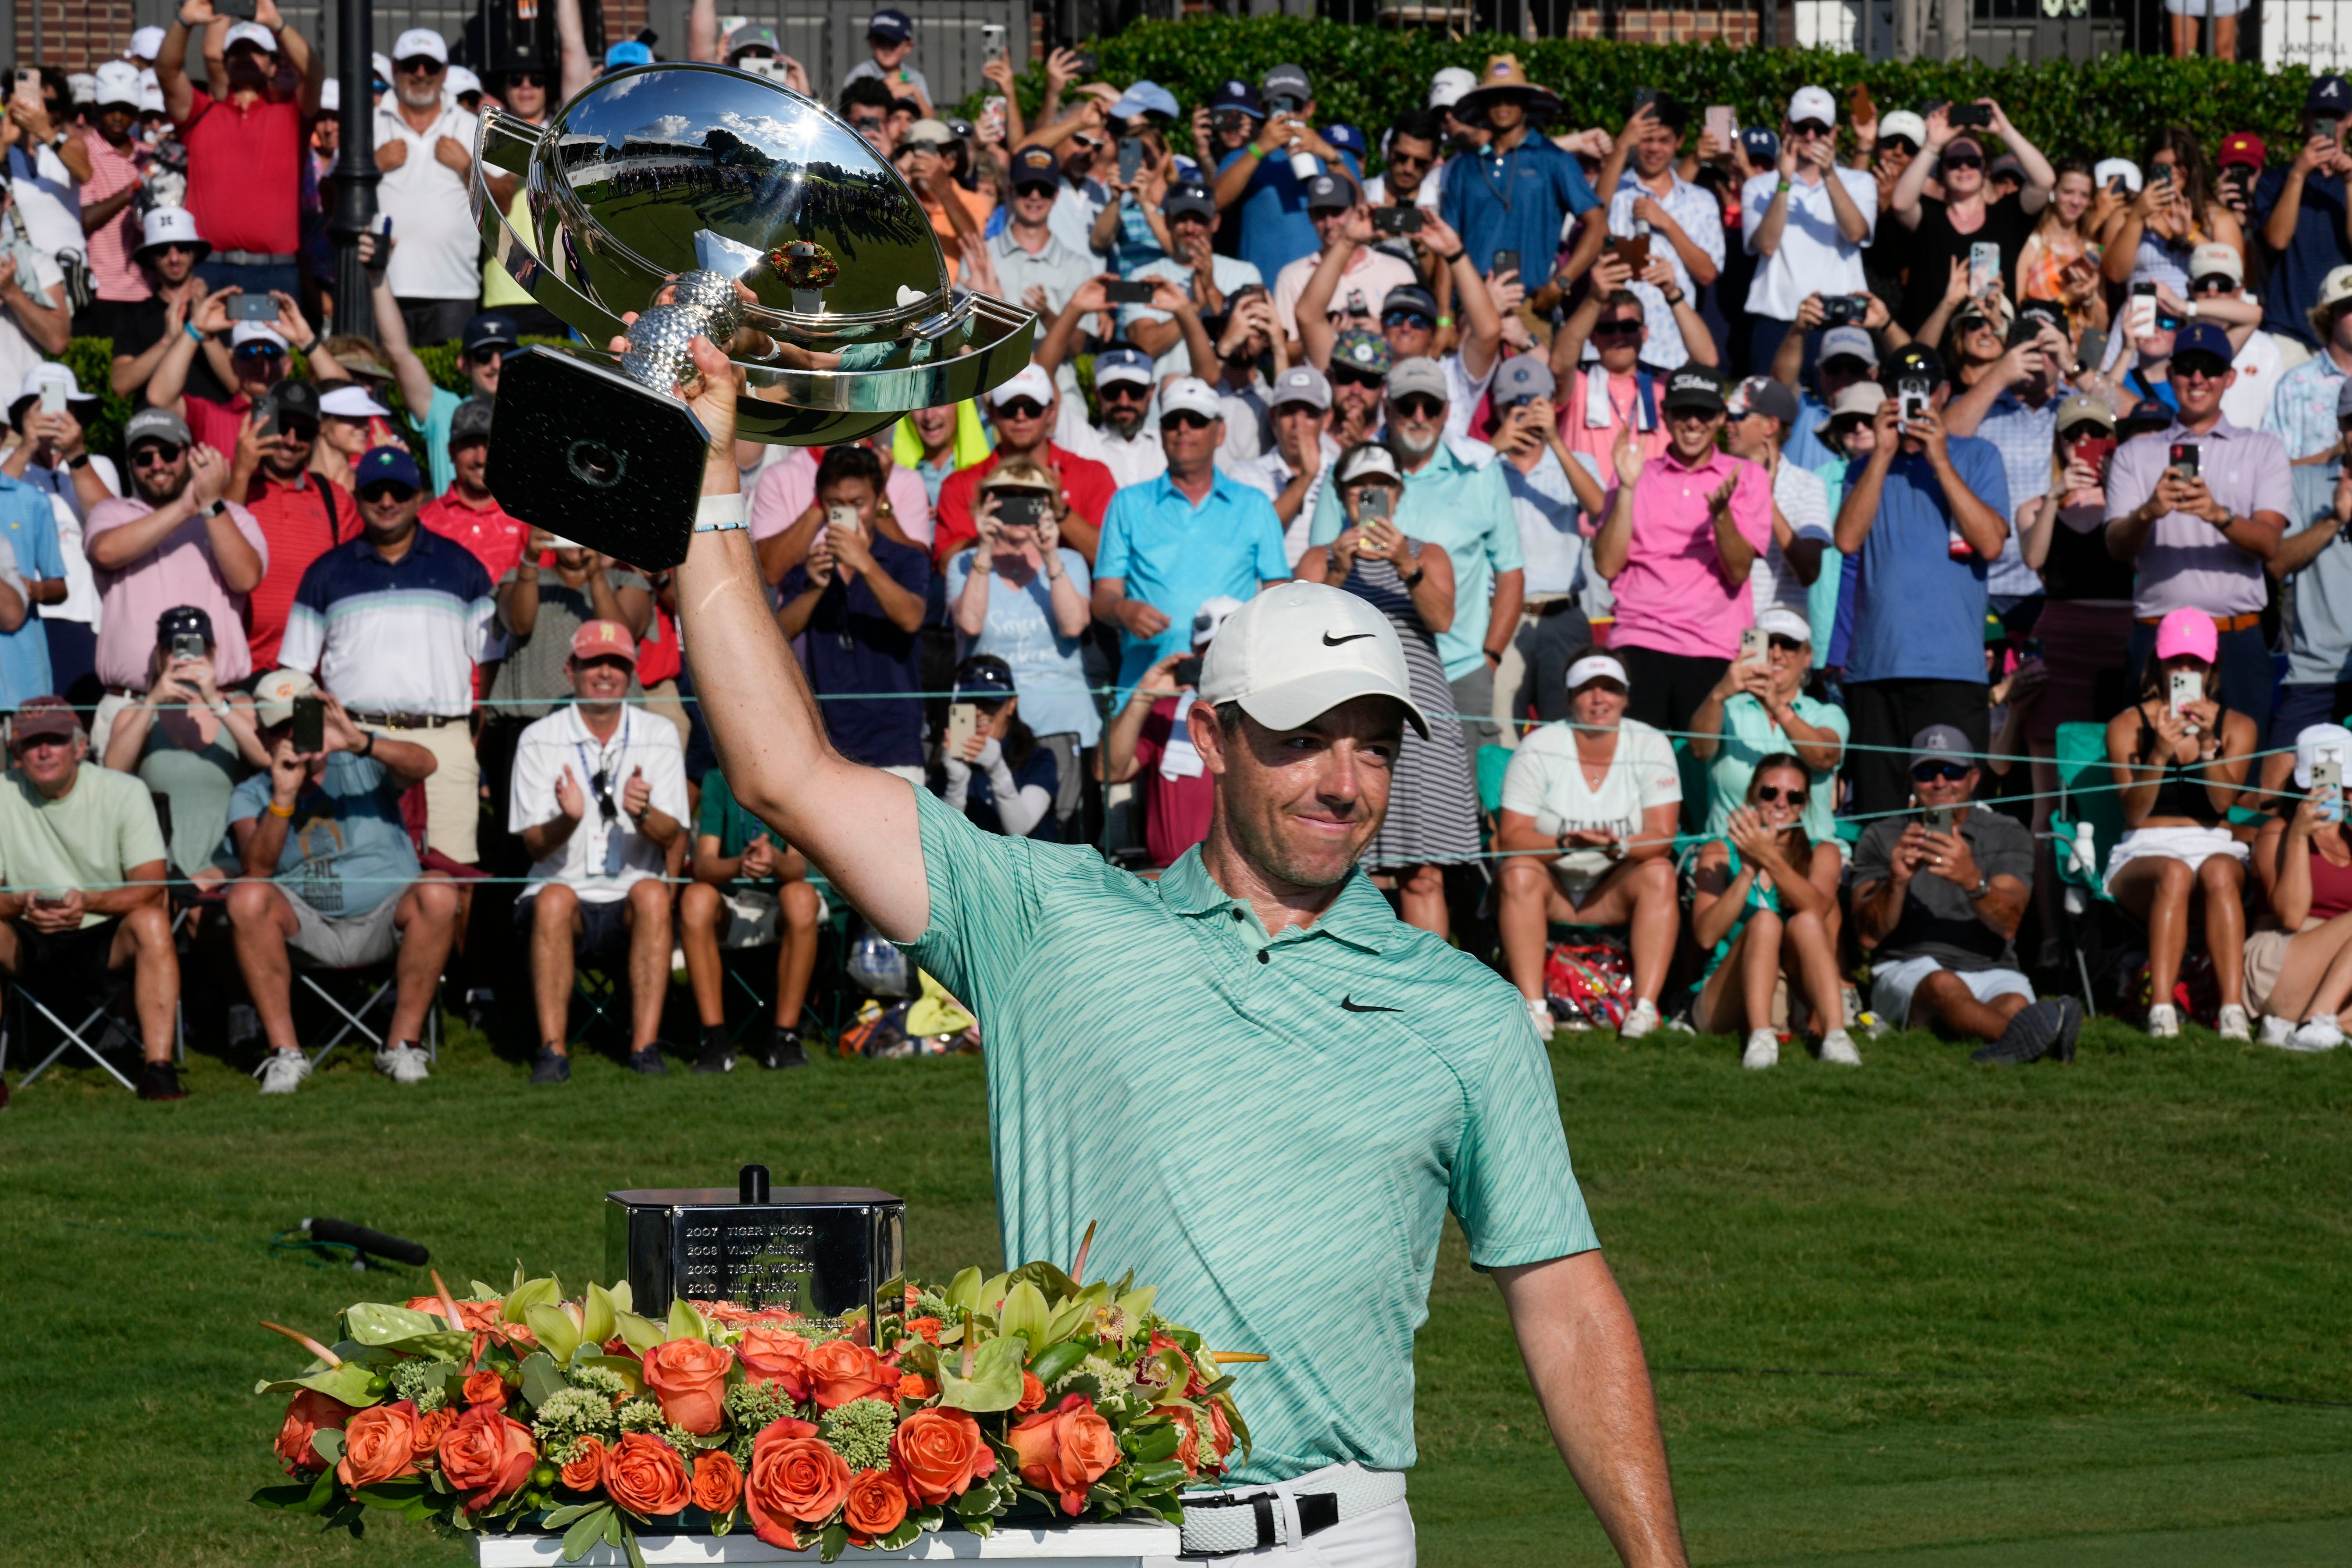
(365, 1240)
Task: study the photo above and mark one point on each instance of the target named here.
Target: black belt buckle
(1317, 1511)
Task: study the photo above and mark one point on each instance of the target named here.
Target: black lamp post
(355, 172)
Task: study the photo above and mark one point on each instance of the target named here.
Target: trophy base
(584, 452)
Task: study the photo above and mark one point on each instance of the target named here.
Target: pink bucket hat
(2187, 633)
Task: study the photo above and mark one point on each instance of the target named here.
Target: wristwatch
(1984, 886)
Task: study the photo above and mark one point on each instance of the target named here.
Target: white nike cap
(1300, 649)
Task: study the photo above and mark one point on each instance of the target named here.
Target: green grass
(1923, 1315)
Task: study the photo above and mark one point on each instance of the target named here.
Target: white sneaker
(282, 1072)
(1763, 1049)
(1837, 1049)
(2233, 1023)
(1540, 1014)
(2163, 1022)
(2319, 1033)
(2276, 1030)
(1638, 1022)
(403, 1063)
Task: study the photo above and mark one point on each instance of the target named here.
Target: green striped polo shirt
(1269, 1128)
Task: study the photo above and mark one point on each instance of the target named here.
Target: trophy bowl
(709, 200)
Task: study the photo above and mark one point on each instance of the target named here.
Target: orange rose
(1065, 1450)
(486, 1456)
(927, 1327)
(1220, 1431)
(717, 1482)
(796, 1479)
(1187, 1447)
(876, 1505)
(774, 1355)
(378, 1444)
(937, 1454)
(914, 1385)
(840, 1371)
(308, 1411)
(1032, 1395)
(587, 1467)
(690, 1376)
(646, 1476)
(487, 1387)
(429, 1428)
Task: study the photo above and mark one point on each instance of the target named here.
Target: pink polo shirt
(179, 571)
(1620, 399)
(1671, 597)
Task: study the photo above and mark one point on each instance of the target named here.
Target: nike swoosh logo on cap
(1349, 1005)
(1330, 641)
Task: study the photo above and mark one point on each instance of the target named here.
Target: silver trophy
(715, 202)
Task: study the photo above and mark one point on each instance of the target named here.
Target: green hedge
(1369, 76)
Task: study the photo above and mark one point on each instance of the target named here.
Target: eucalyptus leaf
(541, 1379)
(629, 1544)
(995, 1381)
(963, 1291)
(558, 1518)
(327, 1442)
(375, 1323)
(585, 1532)
(553, 1328)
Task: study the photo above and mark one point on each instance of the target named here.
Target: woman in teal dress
(1761, 906)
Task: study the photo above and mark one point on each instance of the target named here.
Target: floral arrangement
(1027, 1392)
(804, 264)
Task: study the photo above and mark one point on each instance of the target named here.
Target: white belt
(1285, 1513)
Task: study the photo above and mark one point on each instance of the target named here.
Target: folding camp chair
(383, 997)
(76, 1036)
(2085, 826)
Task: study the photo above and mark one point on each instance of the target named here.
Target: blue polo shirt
(1275, 228)
(1174, 555)
(2318, 247)
(1517, 202)
(30, 528)
(1466, 506)
(1918, 614)
(393, 636)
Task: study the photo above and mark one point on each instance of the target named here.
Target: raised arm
(391, 331)
(857, 824)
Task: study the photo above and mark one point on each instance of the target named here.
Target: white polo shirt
(436, 246)
(1813, 257)
(604, 859)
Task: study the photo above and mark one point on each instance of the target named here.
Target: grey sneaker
(403, 1063)
(282, 1072)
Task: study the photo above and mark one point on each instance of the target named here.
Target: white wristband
(718, 513)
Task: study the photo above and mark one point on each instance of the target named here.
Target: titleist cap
(1300, 649)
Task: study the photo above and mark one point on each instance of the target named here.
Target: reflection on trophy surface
(706, 201)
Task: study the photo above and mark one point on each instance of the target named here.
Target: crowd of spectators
(1758, 503)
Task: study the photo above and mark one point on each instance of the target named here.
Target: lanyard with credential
(1506, 163)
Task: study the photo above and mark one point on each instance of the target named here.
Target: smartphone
(1754, 645)
(1912, 394)
(187, 645)
(1984, 268)
(1376, 504)
(53, 397)
(1504, 261)
(1723, 125)
(1634, 252)
(991, 117)
(963, 723)
(1187, 670)
(2183, 459)
(309, 725)
(1086, 62)
(1131, 291)
(235, 10)
(2328, 787)
(1859, 103)
(1019, 511)
(842, 516)
(1396, 220)
(265, 416)
(252, 308)
(1939, 820)
(2161, 174)
(1962, 116)
(991, 42)
(1643, 97)
(2188, 687)
(2092, 352)
(2327, 125)
(1130, 158)
(2140, 314)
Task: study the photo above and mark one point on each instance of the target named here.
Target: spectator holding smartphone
(1946, 231)
(146, 330)
(1807, 220)
(1684, 224)
(1026, 407)
(188, 741)
(1149, 744)
(997, 775)
(302, 515)
(1344, 264)
(2300, 210)
(1261, 177)
(1553, 492)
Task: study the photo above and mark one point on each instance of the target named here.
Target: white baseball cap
(253, 33)
(1189, 394)
(381, 66)
(1595, 666)
(1812, 103)
(2109, 169)
(1300, 649)
(169, 226)
(1446, 87)
(1211, 618)
(1903, 123)
(115, 82)
(460, 81)
(1780, 621)
(1366, 461)
(151, 100)
(274, 695)
(256, 331)
(420, 41)
(2312, 743)
(146, 42)
(352, 403)
(330, 95)
(1031, 381)
(2213, 259)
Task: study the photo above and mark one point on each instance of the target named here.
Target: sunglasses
(160, 454)
(176, 247)
(1185, 420)
(385, 489)
(1908, 146)
(419, 65)
(1770, 794)
(1123, 392)
(2197, 367)
(1409, 319)
(1410, 160)
(1020, 408)
(1622, 327)
(255, 351)
(1961, 161)
(1928, 773)
(1089, 143)
(2212, 283)
(601, 786)
(1783, 645)
(1809, 128)
(1419, 406)
(526, 78)
(866, 122)
(2166, 322)
(1357, 378)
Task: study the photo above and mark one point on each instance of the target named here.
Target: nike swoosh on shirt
(1330, 641)
(1349, 1005)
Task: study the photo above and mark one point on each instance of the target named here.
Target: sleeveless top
(2079, 567)
(2331, 887)
(2179, 794)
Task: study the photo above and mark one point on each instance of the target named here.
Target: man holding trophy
(1140, 1033)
